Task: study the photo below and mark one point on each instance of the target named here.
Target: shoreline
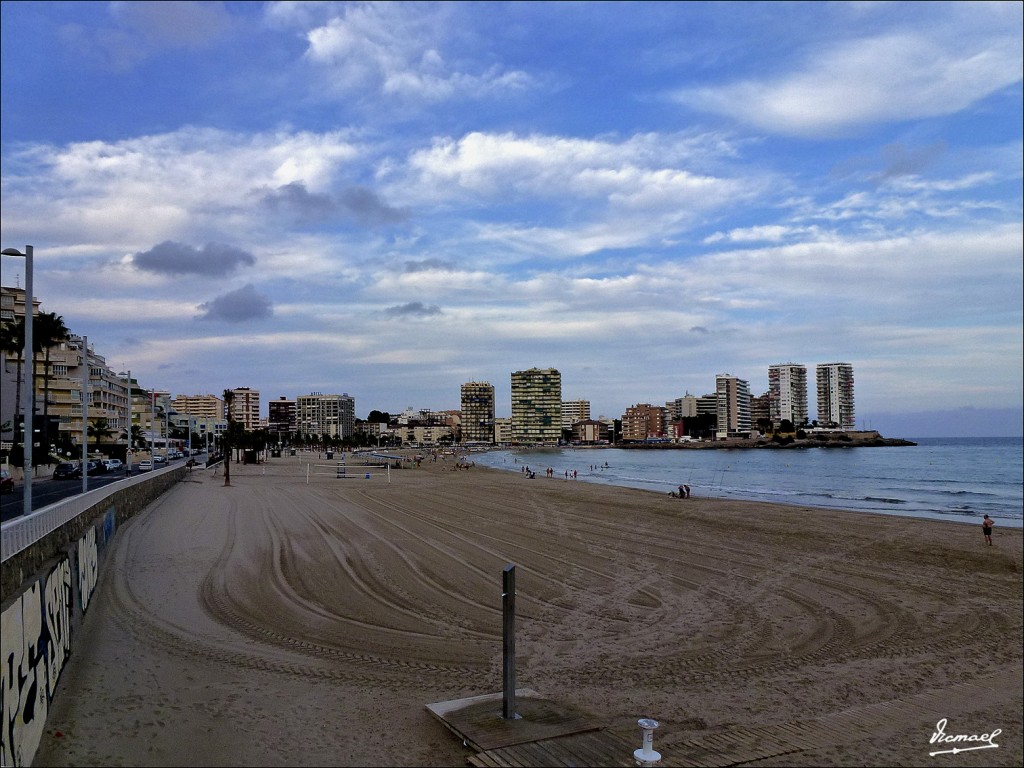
(280, 622)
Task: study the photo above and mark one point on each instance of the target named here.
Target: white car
(113, 465)
(145, 465)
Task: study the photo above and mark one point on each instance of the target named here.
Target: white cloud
(397, 50)
(889, 77)
(138, 192)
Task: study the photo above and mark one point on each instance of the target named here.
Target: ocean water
(959, 479)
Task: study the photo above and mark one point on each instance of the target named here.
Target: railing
(22, 532)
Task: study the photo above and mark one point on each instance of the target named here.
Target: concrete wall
(45, 591)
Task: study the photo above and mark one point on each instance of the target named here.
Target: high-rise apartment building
(573, 411)
(245, 408)
(326, 415)
(835, 395)
(684, 407)
(537, 406)
(733, 406)
(203, 407)
(787, 394)
(477, 401)
(281, 420)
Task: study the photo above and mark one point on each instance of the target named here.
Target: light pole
(27, 393)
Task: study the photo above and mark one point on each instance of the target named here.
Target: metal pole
(85, 414)
(508, 612)
(152, 428)
(128, 453)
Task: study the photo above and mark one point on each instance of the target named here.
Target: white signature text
(982, 741)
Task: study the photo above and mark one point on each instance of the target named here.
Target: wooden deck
(551, 734)
(479, 723)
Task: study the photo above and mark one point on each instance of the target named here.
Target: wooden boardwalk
(550, 734)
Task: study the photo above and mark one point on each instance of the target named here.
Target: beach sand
(285, 622)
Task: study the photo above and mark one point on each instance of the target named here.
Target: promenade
(286, 621)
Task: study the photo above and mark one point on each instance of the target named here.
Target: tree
(137, 438)
(12, 341)
(49, 331)
(100, 430)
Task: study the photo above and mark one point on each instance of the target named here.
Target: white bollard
(647, 755)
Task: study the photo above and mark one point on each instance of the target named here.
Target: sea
(955, 479)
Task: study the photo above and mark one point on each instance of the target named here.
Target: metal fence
(22, 532)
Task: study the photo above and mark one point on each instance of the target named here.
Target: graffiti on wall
(25, 673)
(88, 567)
(35, 638)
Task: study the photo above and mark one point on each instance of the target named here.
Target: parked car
(145, 465)
(67, 470)
(94, 467)
(6, 482)
(159, 459)
(113, 465)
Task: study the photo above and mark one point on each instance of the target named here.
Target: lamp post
(28, 386)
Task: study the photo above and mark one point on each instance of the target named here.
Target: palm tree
(137, 438)
(100, 430)
(48, 331)
(12, 341)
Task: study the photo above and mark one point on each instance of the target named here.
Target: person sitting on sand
(986, 528)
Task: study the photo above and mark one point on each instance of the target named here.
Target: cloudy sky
(389, 200)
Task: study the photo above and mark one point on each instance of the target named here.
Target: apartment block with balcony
(326, 415)
(477, 402)
(281, 418)
(733, 407)
(245, 408)
(537, 406)
(574, 411)
(787, 394)
(643, 421)
(835, 395)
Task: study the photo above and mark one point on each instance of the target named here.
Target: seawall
(45, 591)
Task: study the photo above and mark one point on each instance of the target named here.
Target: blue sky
(389, 200)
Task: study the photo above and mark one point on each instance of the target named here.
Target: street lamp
(27, 393)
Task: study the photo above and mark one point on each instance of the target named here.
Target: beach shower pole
(508, 613)
(646, 755)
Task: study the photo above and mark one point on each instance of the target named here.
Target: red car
(6, 482)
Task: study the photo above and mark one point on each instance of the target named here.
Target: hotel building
(326, 415)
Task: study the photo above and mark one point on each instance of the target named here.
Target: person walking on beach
(986, 528)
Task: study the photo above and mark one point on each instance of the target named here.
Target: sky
(390, 200)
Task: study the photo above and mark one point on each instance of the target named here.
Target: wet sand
(280, 622)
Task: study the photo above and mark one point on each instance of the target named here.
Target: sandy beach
(285, 622)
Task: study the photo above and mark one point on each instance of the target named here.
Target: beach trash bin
(291, 452)
(367, 475)
(330, 454)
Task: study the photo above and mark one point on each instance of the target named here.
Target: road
(46, 491)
